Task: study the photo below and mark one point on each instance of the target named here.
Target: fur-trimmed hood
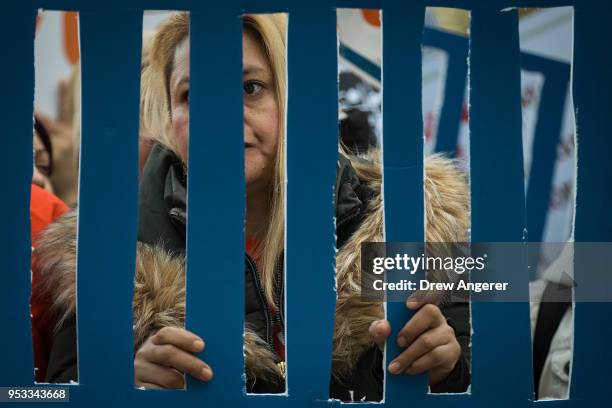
(159, 290)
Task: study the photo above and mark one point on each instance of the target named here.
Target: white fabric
(555, 379)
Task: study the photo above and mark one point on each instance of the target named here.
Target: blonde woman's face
(179, 98)
(261, 120)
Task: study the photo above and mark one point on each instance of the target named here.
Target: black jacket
(163, 220)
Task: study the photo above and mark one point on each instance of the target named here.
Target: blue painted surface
(108, 195)
(402, 163)
(457, 49)
(215, 244)
(501, 357)
(16, 340)
(107, 203)
(360, 61)
(592, 92)
(310, 233)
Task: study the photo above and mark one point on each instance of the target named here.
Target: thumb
(423, 297)
(46, 122)
(379, 331)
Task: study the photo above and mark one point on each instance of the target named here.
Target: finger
(47, 122)
(63, 95)
(38, 178)
(165, 377)
(427, 317)
(435, 358)
(424, 344)
(48, 186)
(422, 297)
(180, 338)
(380, 331)
(171, 356)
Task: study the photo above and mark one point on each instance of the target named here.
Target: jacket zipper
(348, 217)
(264, 304)
(278, 318)
(281, 289)
(176, 215)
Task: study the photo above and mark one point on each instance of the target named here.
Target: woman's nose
(248, 130)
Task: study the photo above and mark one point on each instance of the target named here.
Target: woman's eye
(185, 96)
(252, 88)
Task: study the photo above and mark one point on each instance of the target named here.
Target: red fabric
(44, 208)
(251, 244)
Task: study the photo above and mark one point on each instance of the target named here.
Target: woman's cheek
(180, 124)
(272, 130)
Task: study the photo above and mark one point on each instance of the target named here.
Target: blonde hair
(155, 115)
(270, 30)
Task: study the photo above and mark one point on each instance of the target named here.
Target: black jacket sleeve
(458, 317)
(62, 365)
(457, 381)
(366, 381)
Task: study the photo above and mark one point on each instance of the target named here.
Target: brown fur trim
(447, 200)
(259, 360)
(159, 292)
(55, 253)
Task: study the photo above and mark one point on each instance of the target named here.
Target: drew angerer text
(424, 284)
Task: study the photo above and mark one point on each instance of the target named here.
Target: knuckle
(163, 353)
(156, 353)
(431, 309)
(137, 366)
(156, 339)
(438, 354)
(162, 335)
(428, 308)
(449, 330)
(144, 351)
(427, 340)
(456, 348)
